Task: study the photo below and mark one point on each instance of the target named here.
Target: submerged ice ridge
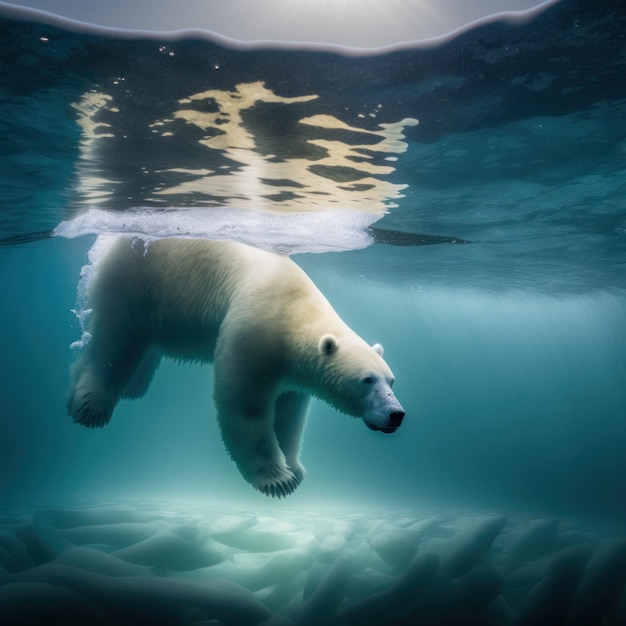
(136, 564)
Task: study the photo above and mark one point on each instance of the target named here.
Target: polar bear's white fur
(273, 337)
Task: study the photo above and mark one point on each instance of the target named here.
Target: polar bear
(273, 337)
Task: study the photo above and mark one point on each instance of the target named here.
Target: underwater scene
(172, 208)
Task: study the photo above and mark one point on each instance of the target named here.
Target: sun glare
(358, 23)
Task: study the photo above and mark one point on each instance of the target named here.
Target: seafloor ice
(118, 563)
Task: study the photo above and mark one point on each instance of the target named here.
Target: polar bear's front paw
(278, 482)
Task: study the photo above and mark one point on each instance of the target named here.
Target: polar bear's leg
(245, 396)
(106, 366)
(248, 434)
(292, 408)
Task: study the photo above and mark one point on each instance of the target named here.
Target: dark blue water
(509, 350)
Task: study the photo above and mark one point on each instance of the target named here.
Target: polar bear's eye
(368, 380)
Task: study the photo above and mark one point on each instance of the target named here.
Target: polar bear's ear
(328, 345)
(378, 349)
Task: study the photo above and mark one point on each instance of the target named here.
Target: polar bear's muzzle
(395, 419)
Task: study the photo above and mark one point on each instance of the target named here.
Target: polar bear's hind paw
(89, 412)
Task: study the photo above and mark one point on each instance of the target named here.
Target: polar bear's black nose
(395, 418)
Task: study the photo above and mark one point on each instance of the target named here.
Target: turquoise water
(509, 350)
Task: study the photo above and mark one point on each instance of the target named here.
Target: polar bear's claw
(281, 487)
(298, 473)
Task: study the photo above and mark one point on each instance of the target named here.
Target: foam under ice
(287, 233)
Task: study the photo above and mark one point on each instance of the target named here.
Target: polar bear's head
(358, 382)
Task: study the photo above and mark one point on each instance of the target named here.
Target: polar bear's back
(160, 283)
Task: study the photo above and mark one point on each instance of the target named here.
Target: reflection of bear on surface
(274, 338)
